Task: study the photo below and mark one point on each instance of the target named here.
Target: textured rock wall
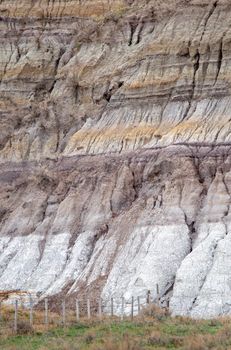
(115, 150)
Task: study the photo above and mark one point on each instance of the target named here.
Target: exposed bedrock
(130, 76)
(121, 224)
(115, 150)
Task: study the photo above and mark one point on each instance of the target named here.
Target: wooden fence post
(0, 310)
(112, 307)
(122, 309)
(157, 295)
(88, 309)
(138, 304)
(77, 310)
(148, 297)
(46, 311)
(132, 308)
(64, 313)
(100, 308)
(31, 311)
(16, 316)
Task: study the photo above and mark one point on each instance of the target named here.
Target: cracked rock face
(115, 150)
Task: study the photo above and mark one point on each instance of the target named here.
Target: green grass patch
(168, 333)
(176, 327)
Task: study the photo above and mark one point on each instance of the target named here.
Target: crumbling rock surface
(115, 150)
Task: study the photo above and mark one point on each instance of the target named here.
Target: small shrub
(124, 344)
(155, 312)
(24, 328)
(214, 323)
(158, 339)
(195, 343)
(89, 339)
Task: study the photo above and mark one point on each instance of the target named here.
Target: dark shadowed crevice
(219, 62)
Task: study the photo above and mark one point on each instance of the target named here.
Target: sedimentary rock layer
(115, 150)
(121, 223)
(116, 82)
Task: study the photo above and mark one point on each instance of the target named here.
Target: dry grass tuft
(195, 343)
(125, 344)
(154, 311)
(162, 340)
(208, 341)
(24, 327)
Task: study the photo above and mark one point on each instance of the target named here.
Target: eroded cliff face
(115, 150)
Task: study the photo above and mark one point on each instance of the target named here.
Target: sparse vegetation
(153, 329)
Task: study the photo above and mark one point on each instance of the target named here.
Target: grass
(151, 330)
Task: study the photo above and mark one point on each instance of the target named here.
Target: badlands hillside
(115, 175)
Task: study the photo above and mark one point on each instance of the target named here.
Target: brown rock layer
(115, 149)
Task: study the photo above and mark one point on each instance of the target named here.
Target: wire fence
(19, 317)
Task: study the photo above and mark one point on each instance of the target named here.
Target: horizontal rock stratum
(115, 150)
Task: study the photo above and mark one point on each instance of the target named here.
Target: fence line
(64, 313)
(122, 311)
(100, 308)
(46, 312)
(16, 316)
(77, 311)
(31, 311)
(88, 309)
(118, 308)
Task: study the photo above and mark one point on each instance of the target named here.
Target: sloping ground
(115, 150)
(143, 333)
